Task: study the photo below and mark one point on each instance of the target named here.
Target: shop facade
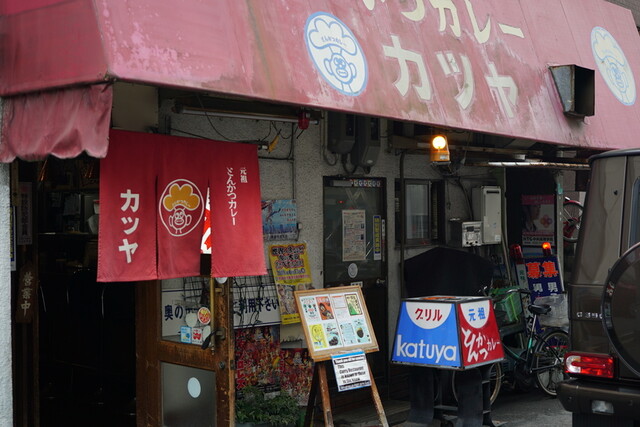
(232, 76)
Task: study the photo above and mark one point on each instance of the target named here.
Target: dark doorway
(85, 330)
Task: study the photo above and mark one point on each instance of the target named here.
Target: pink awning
(63, 122)
(482, 66)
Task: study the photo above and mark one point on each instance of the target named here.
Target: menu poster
(354, 242)
(335, 320)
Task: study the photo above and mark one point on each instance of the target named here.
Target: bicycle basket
(558, 316)
(508, 309)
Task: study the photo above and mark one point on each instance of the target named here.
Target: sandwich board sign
(447, 332)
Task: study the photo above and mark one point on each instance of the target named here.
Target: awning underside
(64, 123)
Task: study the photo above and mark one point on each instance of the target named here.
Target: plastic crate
(509, 308)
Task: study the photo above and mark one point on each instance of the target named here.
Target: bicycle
(541, 357)
(571, 217)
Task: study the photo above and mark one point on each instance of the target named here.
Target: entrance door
(184, 353)
(355, 250)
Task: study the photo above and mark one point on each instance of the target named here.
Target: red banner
(236, 216)
(166, 179)
(182, 189)
(127, 229)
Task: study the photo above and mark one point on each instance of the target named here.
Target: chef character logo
(181, 207)
(613, 65)
(336, 53)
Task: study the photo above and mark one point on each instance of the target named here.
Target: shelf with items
(68, 195)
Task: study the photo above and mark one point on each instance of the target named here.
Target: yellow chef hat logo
(181, 195)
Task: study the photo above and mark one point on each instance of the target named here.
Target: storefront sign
(482, 66)
(544, 276)
(255, 305)
(351, 370)
(447, 332)
(152, 191)
(27, 292)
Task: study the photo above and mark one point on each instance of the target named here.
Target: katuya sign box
(447, 332)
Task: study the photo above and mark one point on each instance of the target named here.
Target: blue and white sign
(336, 53)
(427, 334)
(544, 276)
(613, 65)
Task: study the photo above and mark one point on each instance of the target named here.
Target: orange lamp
(439, 149)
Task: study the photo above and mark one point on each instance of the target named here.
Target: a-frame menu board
(335, 320)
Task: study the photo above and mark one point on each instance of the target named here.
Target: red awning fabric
(480, 66)
(62, 122)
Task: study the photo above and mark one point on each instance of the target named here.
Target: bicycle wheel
(571, 217)
(495, 381)
(548, 360)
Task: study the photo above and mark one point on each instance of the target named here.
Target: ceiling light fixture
(302, 120)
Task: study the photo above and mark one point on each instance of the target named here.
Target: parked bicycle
(571, 217)
(530, 355)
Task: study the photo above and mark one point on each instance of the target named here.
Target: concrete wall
(301, 179)
(6, 384)
(633, 5)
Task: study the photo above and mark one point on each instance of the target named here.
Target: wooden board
(335, 320)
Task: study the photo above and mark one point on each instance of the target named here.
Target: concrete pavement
(532, 409)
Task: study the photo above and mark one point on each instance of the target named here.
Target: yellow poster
(291, 272)
(290, 264)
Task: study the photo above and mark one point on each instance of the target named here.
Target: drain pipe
(403, 226)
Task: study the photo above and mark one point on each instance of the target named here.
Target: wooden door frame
(151, 350)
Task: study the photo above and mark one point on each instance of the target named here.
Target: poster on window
(335, 320)
(538, 219)
(354, 233)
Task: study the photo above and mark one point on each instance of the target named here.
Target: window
(634, 235)
(420, 207)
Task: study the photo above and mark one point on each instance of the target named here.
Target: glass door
(355, 250)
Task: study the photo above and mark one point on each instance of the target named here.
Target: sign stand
(335, 321)
(319, 381)
(450, 332)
